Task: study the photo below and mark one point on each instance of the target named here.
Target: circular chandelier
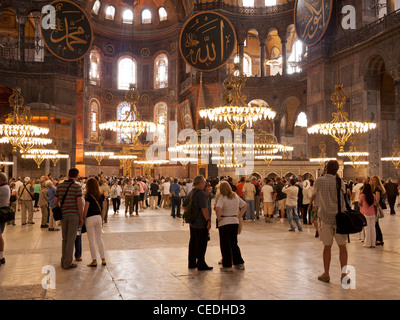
(395, 158)
(341, 128)
(236, 112)
(323, 158)
(18, 130)
(99, 154)
(354, 155)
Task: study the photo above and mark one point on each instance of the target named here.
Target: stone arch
(292, 106)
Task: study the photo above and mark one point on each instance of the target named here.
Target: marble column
(284, 57)
(21, 38)
(262, 58)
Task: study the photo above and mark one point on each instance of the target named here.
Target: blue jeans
(250, 209)
(292, 214)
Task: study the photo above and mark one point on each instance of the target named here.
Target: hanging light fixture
(341, 128)
(395, 158)
(354, 156)
(323, 158)
(99, 154)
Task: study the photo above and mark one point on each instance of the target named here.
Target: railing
(222, 5)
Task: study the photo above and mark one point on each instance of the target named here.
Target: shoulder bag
(349, 221)
(379, 210)
(57, 212)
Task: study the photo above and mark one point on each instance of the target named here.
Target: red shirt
(239, 189)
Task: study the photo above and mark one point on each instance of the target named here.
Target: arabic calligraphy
(312, 18)
(72, 36)
(207, 41)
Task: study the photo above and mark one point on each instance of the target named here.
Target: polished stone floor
(147, 260)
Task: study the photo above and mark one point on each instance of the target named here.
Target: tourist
(18, 183)
(25, 195)
(4, 202)
(249, 192)
(13, 201)
(175, 191)
(239, 187)
(292, 191)
(142, 193)
(378, 190)
(257, 199)
(392, 192)
(105, 189)
(128, 197)
(36, 193)
(307, 193)
(154, 194)
(199, 230)
(313, 209)
(229, 209)
(355, 193)
(136, 196)
(43, 203)
(268, 197)
(50, 193)
(71, 215)
(94, 213)
(115, 194)
(281, 198)
(326, 197)
(166, 194)
(367, 208)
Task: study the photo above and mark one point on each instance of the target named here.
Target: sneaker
(239, 266)
(281, 221)
(324, 278)
(226, 269)
(292, 230)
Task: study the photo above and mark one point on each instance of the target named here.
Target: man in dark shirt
(281, 198)
(154, 194)
(392, 192)
(200, 227)
(175, 190)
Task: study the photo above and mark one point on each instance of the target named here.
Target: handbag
(6, 214)
(349, 221)
(57, 212)
(379, 211)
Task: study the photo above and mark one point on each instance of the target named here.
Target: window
(94, 72)
(146, 16)
(94, 119)
(127, 16)
(246, 64)
(248, 3)
(295, 57)
(110, 13)
(126, 73)
(270, 3)
(96, 7)
(122, 112)
(162, 13)
(301, 120)
(161, 117)
(161, 72)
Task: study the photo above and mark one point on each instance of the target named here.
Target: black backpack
(191, 213)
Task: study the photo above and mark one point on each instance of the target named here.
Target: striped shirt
(326, 197)
(70, 205)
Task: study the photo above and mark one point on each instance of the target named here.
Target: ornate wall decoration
(186, 115)
(145, 52)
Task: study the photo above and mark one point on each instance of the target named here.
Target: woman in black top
(94, 218)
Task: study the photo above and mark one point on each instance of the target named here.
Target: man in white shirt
(355, 195)
(166, 193)
(291, 204)
(268, 197)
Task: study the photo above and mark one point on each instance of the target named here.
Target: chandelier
(323, 158)
(395, 158)
(39, 155)
(354, 156)
(99, 154)
(18, 130)
(130, 126)
(341, 128)
(236, 112)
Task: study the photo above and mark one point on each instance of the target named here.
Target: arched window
(162, 13)
(301, 120)
(295, 57)
(94, 119)
(270, 3)
(146, 16)
(122, 112)
(110, 13)
(161, 72)
(161, 117)
(246, 64)
(126, 73)
(96, 7)
(248, 3)
(94, 72)
(127, 16)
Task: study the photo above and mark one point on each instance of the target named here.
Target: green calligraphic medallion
(311, 18)
(207, 41)
(72, 35)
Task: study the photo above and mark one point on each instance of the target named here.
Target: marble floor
(147, 260)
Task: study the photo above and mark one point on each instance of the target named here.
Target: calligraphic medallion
(311, 19)
(207, 41)
(72, 36)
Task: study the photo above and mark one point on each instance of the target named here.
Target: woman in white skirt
(94, 217)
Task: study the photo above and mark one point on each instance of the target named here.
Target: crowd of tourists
(87, 202)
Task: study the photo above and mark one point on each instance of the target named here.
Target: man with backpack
(198, 213)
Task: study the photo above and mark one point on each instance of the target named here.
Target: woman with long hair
(366, 203)
(94, 217)
(229, 208)
(379, 190)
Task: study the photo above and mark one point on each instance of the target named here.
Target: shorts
(141, 197)
(2, 227)
(268, 208)
(327, 232)
(282, 204)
